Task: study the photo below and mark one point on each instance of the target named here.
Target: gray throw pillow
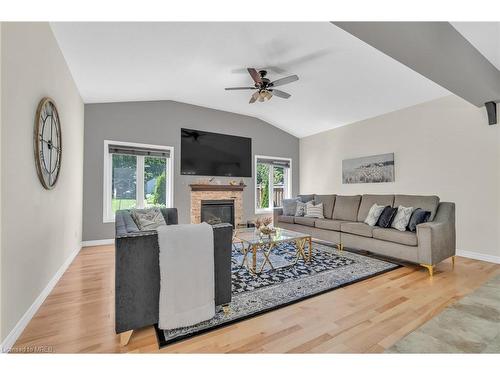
(301, 209)
(148, 218)
(289, 207)
(402, 218)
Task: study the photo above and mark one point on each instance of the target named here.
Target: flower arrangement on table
(263, 226)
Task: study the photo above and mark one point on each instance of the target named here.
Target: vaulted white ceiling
(342, 79)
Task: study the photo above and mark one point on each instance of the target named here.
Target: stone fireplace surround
(204, 192)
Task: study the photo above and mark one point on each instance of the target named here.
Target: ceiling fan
(265, 88)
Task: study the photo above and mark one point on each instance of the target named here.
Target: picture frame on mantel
(368, 169)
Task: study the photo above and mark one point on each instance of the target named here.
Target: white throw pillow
(315, 211)
(374, 214)
(402, 218)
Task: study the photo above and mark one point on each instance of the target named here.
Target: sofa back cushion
(368, 200)
(306, 197)
(289, 206)
(328, 204)
(346, 207)
(426, 202)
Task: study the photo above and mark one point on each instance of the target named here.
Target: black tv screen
(212, 154)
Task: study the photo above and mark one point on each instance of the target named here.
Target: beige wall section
(41, 229)
(443, 147)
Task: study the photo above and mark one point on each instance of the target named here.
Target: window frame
(107, 210)
(287, 193)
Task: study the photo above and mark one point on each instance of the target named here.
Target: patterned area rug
(283, 285)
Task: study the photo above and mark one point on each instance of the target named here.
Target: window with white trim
(136, 176)
(273, 177)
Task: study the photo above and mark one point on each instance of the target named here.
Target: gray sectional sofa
(344, 225)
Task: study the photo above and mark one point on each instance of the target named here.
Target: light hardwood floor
(369, 316)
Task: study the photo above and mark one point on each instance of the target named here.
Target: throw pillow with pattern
(301, 209)
(374, 214)
(148, 218)
(402, 218)
(315, 211)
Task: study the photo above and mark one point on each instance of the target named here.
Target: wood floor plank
(369, 316)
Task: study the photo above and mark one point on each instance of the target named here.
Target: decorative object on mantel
(233, 183)
(242, 183)
(368, 169)
(47, 143)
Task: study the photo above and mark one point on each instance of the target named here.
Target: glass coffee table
(252, 242)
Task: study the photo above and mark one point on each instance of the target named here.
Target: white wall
(443, 147)
(41, 229)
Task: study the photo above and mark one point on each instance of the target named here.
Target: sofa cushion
(309, 221)
(361, 229)
(425, 202)
(314, 210)
(374, 214)
(286, 219)
(402, 218)
(301, 209)
(289, 206)
(328, 203)
(394, 235)
(418, 216)
(368, 200)
(306, 197)
(329, 224)
(346, 207)
(148, 218)
(386, 217)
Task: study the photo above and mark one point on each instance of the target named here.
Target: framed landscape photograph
(368, 169)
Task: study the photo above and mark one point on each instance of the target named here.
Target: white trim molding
(107, 215)
(479, 256)
(12, 337)
(109, 241)
(288, 183)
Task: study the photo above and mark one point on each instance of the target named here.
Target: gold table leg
(267, 253)
(453, 261)
(310, 249)
(254, 258)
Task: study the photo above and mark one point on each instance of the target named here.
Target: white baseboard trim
(12, 337)
(479, 256)
(110, 241)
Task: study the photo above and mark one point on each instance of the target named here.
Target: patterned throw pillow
(402, 218)
(290, 207)
(374, 214)
(301, 209)
(315, 211)
(148, 218)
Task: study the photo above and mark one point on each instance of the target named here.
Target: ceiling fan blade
(284, 81)
(255, 75)
(280, 94)
(239, 88)
(254, 97)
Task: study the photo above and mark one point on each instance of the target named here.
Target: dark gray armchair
(137, 271)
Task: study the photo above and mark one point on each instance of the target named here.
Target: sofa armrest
(277, 212)
(437, 239)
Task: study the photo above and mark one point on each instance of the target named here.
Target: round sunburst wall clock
(47, 143)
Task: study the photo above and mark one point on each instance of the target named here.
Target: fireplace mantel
(215, 187)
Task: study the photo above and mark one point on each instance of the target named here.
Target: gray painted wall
(159, 123)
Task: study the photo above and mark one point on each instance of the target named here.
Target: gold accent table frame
(252, 242)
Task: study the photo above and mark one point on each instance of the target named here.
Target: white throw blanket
(187, 286)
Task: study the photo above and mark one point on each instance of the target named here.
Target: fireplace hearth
(217, 211)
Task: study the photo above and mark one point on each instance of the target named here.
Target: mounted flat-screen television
(212, 154)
